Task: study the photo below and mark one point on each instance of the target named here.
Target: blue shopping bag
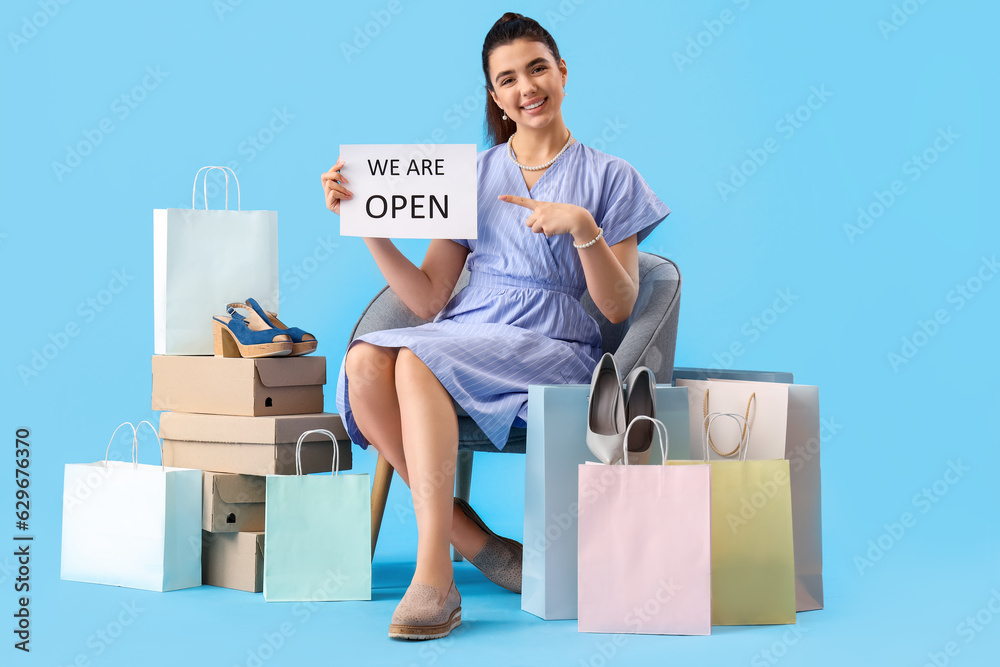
(556, 445)
(317, 534)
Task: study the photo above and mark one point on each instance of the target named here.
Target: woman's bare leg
(371, 373)
(430, 443)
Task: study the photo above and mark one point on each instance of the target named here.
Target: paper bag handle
(704, 408)
(298, 450)
(661, 429)
(204, 188)
(135, 444)
(107, 452)
(744, 444)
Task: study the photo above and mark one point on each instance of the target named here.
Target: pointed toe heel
(606, 412)
(640, 401)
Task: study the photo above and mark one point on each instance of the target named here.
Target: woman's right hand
(333, 187)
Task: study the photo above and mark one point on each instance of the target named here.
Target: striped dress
(520, 321)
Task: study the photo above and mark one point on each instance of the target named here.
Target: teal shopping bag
(317, 534)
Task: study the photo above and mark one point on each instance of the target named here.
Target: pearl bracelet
(590, 243)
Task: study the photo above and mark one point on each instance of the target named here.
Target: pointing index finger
(520, 201)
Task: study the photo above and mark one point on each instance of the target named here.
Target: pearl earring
(505, 115)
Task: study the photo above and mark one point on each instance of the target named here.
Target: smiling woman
(555, 219)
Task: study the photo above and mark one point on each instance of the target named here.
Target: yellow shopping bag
(753, 559)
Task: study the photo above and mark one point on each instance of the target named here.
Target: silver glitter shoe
(421, 614)
(500, 558)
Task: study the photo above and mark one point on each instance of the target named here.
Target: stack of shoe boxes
(238, 420)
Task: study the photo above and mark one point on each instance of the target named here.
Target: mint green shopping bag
(317, 535)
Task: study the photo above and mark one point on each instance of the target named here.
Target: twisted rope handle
(204, 188)
(298, 450)
(661, 430)
(746, 424)
(744, 442)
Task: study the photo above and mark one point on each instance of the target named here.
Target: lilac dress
(520, 321)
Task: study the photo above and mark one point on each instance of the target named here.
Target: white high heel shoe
(606, 412)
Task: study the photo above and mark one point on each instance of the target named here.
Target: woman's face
(523, 74)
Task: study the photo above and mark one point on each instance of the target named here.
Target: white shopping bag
(203, 260)
(129, 524)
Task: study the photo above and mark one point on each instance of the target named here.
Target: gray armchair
(646, 338)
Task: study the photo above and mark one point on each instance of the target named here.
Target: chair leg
(380, 494)
(463, 484)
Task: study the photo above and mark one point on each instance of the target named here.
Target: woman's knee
(409, 367)
(367, 363)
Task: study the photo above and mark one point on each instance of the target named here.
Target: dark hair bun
(510, 16)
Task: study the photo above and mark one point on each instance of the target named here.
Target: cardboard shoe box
(238, 386)
(233, 560)
(252, 445)
(233, 503)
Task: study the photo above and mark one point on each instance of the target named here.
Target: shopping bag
(753, 563)
(645, 554)
(785, 421)
(317, 534)
(204, 259)
(130, 524)
(556, 444)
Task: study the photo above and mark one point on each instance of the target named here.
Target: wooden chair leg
(463, 484)
(380, 494)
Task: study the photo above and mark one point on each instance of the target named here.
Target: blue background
(227, 69)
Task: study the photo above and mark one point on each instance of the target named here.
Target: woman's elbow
(617, 312)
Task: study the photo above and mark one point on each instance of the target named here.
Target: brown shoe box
(252, 445)
(232, 503)
(233, 560)
(238, 386)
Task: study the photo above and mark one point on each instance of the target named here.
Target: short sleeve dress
(520, 321)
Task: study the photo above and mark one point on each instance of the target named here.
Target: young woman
(555, 218)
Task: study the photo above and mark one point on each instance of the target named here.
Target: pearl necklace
(510, 146)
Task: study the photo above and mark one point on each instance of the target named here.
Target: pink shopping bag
(645, 553)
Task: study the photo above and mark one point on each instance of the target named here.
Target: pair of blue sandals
(253, 332)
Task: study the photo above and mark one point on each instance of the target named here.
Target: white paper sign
(409, 191)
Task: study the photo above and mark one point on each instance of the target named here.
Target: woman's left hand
(552, 218)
